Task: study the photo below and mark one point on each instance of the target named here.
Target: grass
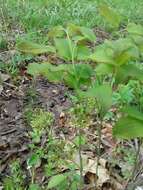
(31, 15)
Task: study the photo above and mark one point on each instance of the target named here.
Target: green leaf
(133, 112)
(103, 95)
(128, 71)
(123, 49)
(117, 52)
(34, 187)
(110, 15)
(83, 33)
(80, 140)
(136, 33)
(33, 48)
(65, 48)
(135, 29)
(83, 52)
(51, 72)
(8, 184)
(56, 180)
(120, 45)
(78, 75)
(73, 75)
(73, 30)
(104, 69)
(102, 54)
(57, 31)
(33, 160)
(88, 34)
(128, 128)
(36, 69)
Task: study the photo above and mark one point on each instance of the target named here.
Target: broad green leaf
(123, 50)
(102, 54)
(56, 181)
(117, 53)
(36, 69)
(71, 80)
(84, 70)
(88, 34)
(78, 75)
(128, 128)
(73, 30)
(51, 72)
(34, 187)
(129, 71)
(79, 39)
(104, 69)
(73, 75)
(33, 48)
(103, 95)
(136, 29)
(119, 45)
(65, 48)
(57, 31)
(133, 112)
(83, 32)
(83, 52)
(110, 15)
(136, 33)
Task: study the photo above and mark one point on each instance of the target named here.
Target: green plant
(114, 67)
(124, 95)
(40, 121)
(110, 15)
(16, 180)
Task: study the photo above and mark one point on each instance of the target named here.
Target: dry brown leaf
(89, 169)
(1, 89)
(4, 77)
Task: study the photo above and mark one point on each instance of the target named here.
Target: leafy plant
(130, 125)
(110, 15)
(33, 48)
(16, 180)
(74, 76)
(115, 57)
(136, 33)
(124, 95)
(40, 121)
(56, 180)
(113, 63)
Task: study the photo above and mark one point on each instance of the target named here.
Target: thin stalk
(133, 176)
(80, 157)
(70, 45)
(33, 175)
(72, 50)
(136, 160)
(99, 130)
(99, 145)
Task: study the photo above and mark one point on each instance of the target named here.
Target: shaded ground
(13, 129)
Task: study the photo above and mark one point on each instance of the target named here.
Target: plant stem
(99, 145)
(72, 51)
(133, 176)
(136, 160)
(80, 157)
(99, 129)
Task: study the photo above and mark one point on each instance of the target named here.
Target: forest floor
(20, 97)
